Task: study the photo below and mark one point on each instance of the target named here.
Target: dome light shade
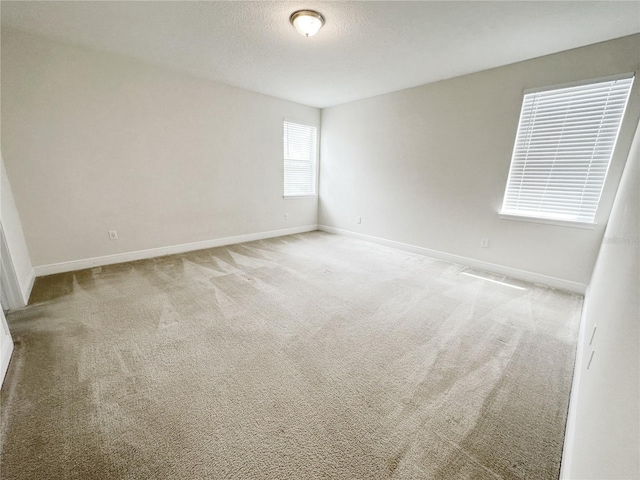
(307, 22)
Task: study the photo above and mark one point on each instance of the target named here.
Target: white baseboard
(42, 270)
(570, 429)
(468, 262)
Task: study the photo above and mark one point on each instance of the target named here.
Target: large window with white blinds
(565, 141)
(300, 159)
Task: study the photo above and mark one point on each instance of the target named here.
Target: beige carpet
(312, 356)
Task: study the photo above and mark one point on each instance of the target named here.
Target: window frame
(316, 160)
(562, 222)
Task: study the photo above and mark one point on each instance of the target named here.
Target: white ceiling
(366, 48)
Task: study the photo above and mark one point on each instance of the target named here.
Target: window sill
(293, 197)
(547, 221)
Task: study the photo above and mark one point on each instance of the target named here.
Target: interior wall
(6, 346)
(95, 142)
(603, 436)
(16, 257)
(428, 166)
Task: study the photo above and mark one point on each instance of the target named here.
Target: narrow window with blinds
(300, 154)
(565, 141)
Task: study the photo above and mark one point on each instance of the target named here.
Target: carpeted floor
(312, 356)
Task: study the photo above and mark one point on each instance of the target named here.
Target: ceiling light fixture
(307, 22)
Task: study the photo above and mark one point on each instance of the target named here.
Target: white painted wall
(18, 271)
(6, 346)
(428, 166)
(603, 432)
(95, 142)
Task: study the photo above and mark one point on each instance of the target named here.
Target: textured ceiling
(366, 48)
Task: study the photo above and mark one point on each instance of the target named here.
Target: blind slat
(565, 141)
(300, 158)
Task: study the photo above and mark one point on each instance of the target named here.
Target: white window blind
(563, 148)
(300, 146)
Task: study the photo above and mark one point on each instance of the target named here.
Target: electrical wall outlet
(358, 220)
(484, 242)
(113, 235)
